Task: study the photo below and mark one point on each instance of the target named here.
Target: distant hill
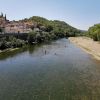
(56, 25)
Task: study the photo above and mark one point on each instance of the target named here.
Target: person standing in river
(45, 52)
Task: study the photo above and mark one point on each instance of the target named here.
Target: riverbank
(8, 50)
(88, 45)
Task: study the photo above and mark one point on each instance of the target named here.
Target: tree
(49, 28)
(31, 37)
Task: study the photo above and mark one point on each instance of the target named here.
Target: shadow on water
(10, 54)
(16, 52)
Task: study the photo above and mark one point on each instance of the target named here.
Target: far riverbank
(87, 44)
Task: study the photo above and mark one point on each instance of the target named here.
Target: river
(53, 71)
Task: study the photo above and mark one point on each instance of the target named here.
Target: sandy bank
(10, 49)
(88, 45)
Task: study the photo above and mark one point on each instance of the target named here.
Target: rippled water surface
(55, 71)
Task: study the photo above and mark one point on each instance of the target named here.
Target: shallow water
(55, 71)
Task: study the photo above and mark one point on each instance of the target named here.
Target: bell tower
(5, 17)
(1, 14)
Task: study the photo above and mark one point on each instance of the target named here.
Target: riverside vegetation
(47, 31)
(94, 32)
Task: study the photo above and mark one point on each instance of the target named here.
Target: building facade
(14, 26)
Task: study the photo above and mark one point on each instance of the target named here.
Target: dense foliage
(10, 42)
(94, 32)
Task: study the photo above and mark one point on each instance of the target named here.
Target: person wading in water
(45, 52)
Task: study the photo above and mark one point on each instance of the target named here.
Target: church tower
(5, 17)
(1, 14)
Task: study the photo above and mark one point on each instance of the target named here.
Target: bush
(31, 37)
(12, 42)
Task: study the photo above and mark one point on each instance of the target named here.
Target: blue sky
(79, 13)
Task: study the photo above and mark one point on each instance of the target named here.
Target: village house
(17, 27)
(14, 26)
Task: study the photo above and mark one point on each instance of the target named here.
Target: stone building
(14, 26)
(17, 27)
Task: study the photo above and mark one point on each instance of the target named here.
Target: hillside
(56, 25)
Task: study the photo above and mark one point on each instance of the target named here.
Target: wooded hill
(55, 26)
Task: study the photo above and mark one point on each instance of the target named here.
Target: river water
(54, 71)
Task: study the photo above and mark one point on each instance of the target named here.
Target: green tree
(94, 32)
